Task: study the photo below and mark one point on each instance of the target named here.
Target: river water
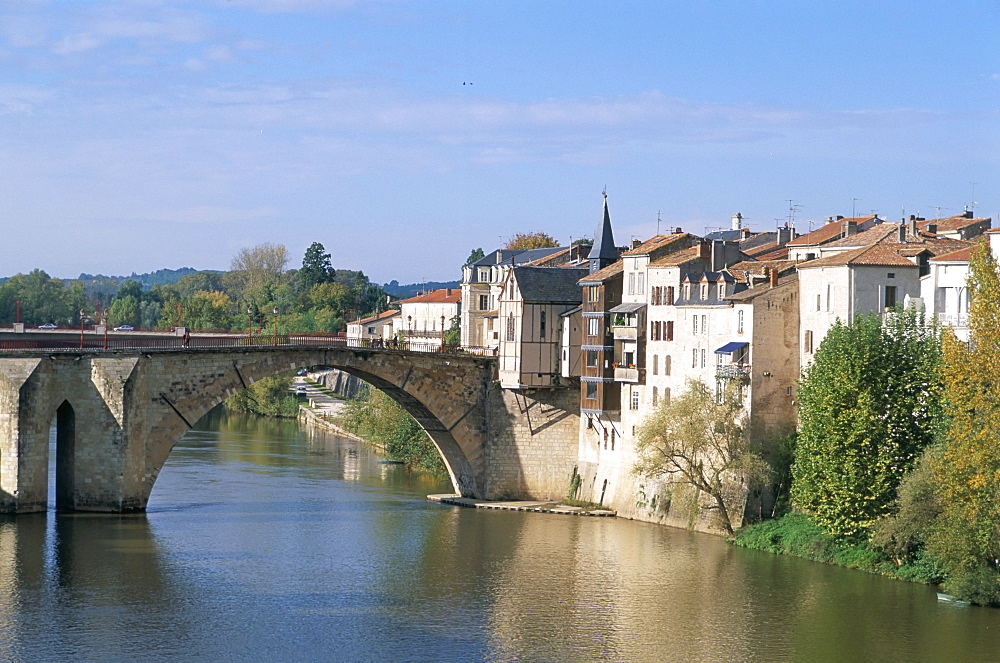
(267, 542)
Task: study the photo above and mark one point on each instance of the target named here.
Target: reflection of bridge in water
(119, 411)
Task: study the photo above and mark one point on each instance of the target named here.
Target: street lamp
(105, 319)
(249, 325)
(83, 316)
(275, 325)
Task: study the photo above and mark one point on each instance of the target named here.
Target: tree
(536, 240)
(256, 266)
(316, 267)
(966, 537)
(474, 257)
(868, 405)
(702, 442)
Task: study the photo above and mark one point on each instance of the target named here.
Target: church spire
(603, 252)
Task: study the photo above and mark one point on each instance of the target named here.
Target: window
(670, 296)
(687, 291)
(890, 296)
(739, 322)
(541, 325)
(631, 283)
(670, 330)
(666, 364)
(484, 274)
(655, 364)
(371, 331)
(827, 297)
(593, 293)
(635, 400)
(591, 391)
(704, 325)
(703, 358)
(642, 286)
(694, 325)
(694, 358)
(704, 291)
(818, 303)
(809, 341)
(484, 302)
(613, 439)
(594, 327)
(510, 327)
(722, 290)
(592, 358)
(666, 394)
(654, 396)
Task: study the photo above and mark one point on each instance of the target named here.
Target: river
(267, 542)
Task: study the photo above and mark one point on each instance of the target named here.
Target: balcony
(624, 333)
(738, 371)
(633, 375)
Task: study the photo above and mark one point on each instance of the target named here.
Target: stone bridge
(119, 413)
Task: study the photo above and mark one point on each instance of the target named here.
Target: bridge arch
(446, 394)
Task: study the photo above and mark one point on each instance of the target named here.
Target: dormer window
(687, 291)
(704, 291)
(722, 290)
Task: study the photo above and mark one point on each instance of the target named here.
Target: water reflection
(267, 542)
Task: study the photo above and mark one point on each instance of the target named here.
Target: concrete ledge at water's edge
(537, 507)
(307, 415)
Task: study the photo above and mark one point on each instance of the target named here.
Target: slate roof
(515, 256)
(550, 284)
(756, 291)
(604, 242)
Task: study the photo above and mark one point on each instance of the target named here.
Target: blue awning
(731, 347)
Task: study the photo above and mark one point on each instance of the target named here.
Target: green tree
(700, 441)
(316, 268)
(384, 422)
(474, 257)
(270, 397)
(535, 240)
(868, 404)
(966, 536)
(124, 311)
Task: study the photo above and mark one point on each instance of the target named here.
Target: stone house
(375, 327)
(423, 320)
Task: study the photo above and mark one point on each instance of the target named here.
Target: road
(323, 403)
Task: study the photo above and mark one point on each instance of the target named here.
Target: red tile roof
(677, 259)
(827, 232)
(654, 243)
(956, 222)
(875, 255)
(961, 255)
(602, 275)
(442, 295)
(384, 315)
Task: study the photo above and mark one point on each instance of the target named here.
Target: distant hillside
(412, 289)
(148, 280)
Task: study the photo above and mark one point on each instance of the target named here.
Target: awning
(731, 347)
(630, 307)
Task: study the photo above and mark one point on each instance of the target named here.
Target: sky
(402, 135)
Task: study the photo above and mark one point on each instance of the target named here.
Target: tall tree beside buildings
(474, 257)
(536, 240)
(316, 268)
(965, 539)
(697, 440)
(868, 405)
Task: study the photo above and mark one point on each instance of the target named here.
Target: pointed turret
(603, 252)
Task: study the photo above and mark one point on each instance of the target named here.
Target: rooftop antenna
(853, 201)
(793, 207)
(657, 222)
(974, 203)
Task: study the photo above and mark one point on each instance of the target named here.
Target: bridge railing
(95, 342)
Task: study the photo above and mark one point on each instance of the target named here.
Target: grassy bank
(795, 534)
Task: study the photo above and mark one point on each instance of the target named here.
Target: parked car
(48, 325)
(125, 328)
(302, 372)
(300, 391)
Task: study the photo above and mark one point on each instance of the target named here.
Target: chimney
(902, 233)
(704, 250)
(447, 292)
(635, 243)
(931, 228)
(850, 227)
(772, 275)
(968, 213)
(737, 221)
(746, 233)
(913, 225)
(678, 230)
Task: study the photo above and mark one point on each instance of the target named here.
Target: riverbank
(525, 505)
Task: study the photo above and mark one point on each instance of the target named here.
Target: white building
(423, 319)
(374, 328)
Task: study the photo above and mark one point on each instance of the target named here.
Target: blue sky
(154, 133)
